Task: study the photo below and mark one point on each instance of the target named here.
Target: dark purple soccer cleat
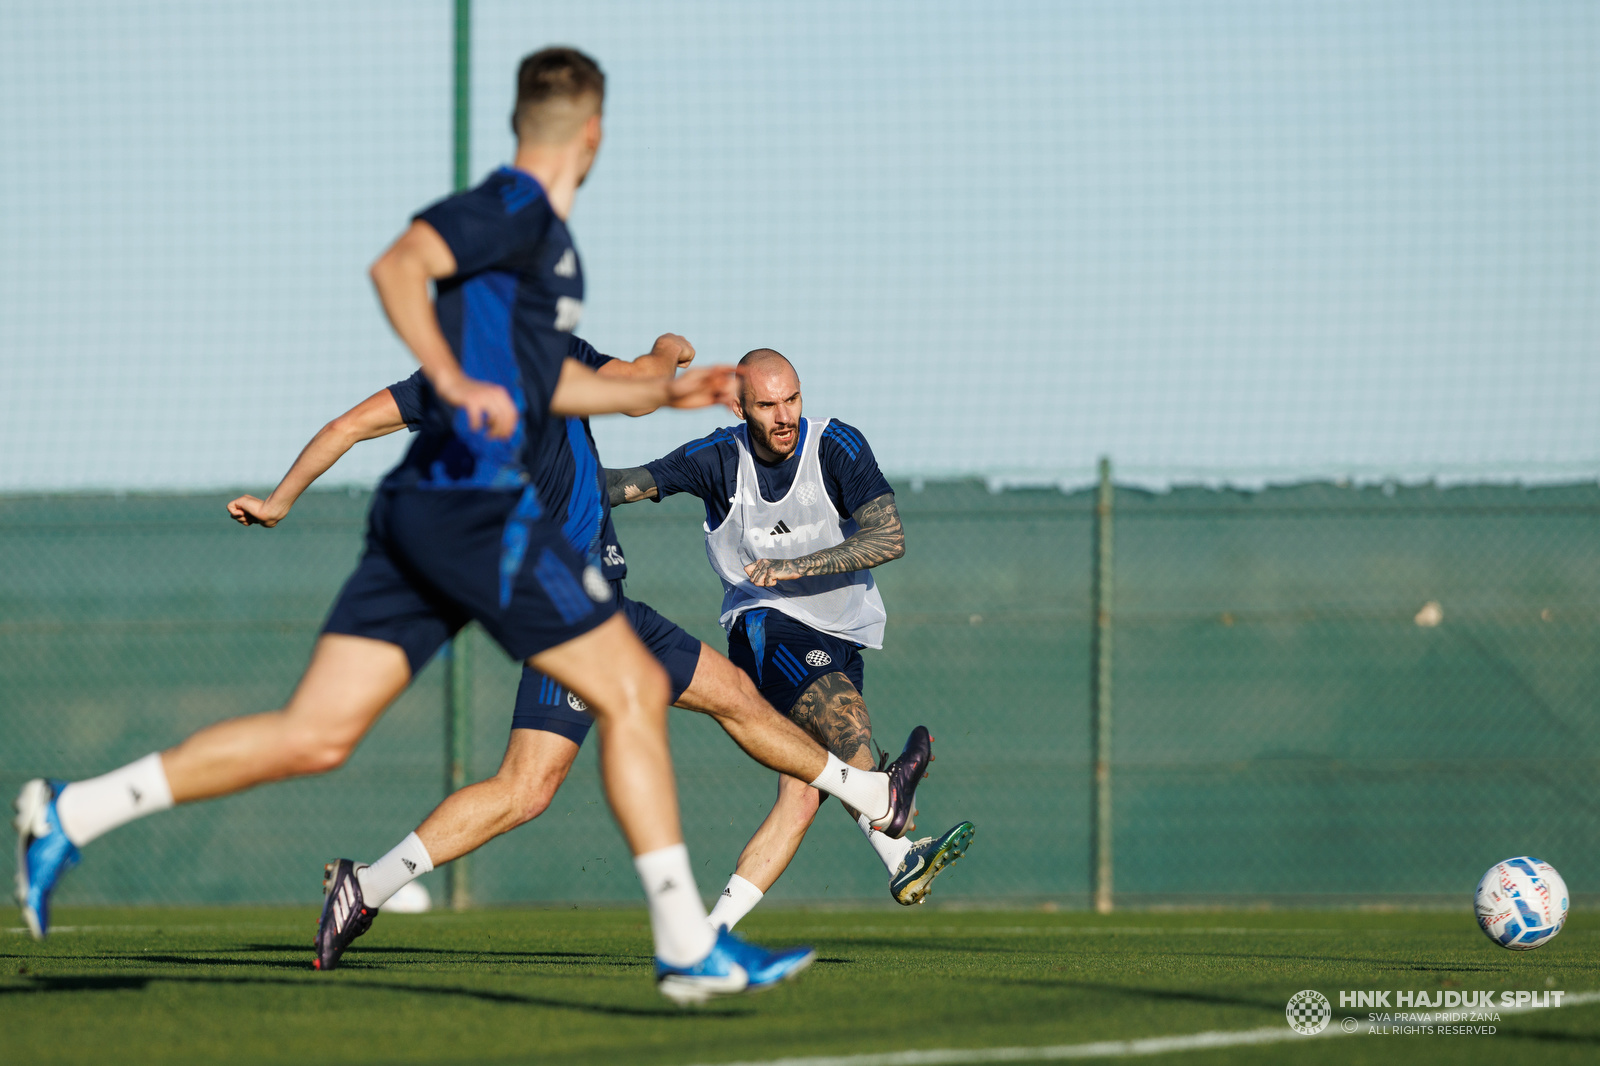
(905, 773)
(345, 915)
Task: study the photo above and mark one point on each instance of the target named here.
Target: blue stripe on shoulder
(519, 190)
(842, 439)
(716, 437)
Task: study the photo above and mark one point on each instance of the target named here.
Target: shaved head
(762, 357)
(769, 400)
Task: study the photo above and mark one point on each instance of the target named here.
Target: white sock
(736, 901)
(92, 808)
(890, 850)
(865, 790)
(677, 915)
(401, 865)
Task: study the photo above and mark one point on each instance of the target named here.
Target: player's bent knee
(640, 692)
(531, 799)
(319, 759)
(308, 752)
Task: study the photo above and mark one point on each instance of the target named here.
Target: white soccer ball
(413, 898)
(1521, 903)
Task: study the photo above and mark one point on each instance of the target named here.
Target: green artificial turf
(234, 985)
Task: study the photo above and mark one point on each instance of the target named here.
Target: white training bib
(804, 521)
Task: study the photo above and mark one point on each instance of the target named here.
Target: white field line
(1061, 930)
(1101, 1049)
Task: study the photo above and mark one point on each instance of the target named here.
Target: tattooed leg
(833, 712)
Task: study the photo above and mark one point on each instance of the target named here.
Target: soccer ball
(413, 898)
(1521, 903)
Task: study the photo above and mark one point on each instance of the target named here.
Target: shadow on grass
(1376, 964)
(1161, 995)
(57, 985)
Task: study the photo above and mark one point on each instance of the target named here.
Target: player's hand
(674, 348)
(485, 404)
(764, 573)
(704, 387)
(249, 511)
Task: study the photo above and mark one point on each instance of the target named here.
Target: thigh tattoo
(833, 712)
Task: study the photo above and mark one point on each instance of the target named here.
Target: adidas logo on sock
(780, 528)
(844, 773)
(411, 867)
(666, 886)
(728, 892)
(138, 797)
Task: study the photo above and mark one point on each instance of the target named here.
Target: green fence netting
(1321, 694)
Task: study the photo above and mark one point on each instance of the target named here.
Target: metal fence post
(458, 661)
(1100, 695)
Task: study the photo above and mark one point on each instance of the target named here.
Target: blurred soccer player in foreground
(550, 722)
(797, 513)
(457, 532)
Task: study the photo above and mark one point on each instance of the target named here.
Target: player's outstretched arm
(376, 416)
(631, 485)
(582, 391)
(670, 353)
(879, 538)
(401, 276)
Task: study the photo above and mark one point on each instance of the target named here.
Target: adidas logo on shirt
(781, 528)
(567, 265)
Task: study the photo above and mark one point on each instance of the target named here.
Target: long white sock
(92, 808)
(401, 865)
(677, 915)
(736, 901)
(865, 790)
(890, 850)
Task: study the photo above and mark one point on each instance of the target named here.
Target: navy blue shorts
(785, 656)
(437, 559)
(543, 704)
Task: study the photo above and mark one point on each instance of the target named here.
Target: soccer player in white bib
(797, 515)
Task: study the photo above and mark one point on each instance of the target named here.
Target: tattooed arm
(879, 539)
(631, 486)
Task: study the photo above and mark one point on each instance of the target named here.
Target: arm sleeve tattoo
(879, 539)
(631, 485)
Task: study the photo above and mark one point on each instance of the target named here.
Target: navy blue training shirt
(566, 469)
(516, 295)
(709, 468)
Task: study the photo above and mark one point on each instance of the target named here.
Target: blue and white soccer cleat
(914, 880)
(43, 851)
(733, 966)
